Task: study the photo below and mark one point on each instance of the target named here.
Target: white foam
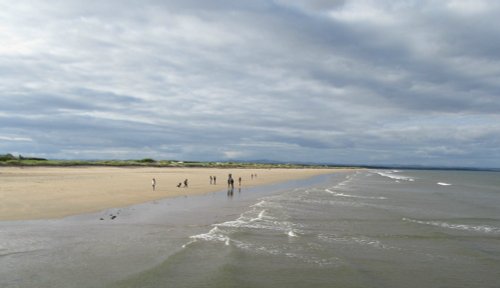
(278, 250)
(259, 204)
(292, 234)
(465, 227)
(265, 204)
(370, 242)
(257, 219)
(354, 196)
(261, 214)
(443, 184)
(395, 177)
(214, 235)
(361, 240)
(189, 243)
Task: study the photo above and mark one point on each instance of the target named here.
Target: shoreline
(31, 193)
(86, 250)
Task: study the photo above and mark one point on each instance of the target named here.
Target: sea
(361, 228)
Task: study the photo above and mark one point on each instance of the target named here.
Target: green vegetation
(11, 160)
(7, 157)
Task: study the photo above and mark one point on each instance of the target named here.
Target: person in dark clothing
(229, 179)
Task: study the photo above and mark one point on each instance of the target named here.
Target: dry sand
(55, 192)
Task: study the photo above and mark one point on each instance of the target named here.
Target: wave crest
(465, 227)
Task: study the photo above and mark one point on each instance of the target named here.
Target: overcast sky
(354, 82)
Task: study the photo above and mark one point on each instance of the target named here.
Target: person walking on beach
(239, 181)
(215, 180)
(153, 183)
(186, 183)
(211, 180)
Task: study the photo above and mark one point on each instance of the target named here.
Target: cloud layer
(364, 82)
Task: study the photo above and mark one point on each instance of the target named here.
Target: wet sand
(56, 192)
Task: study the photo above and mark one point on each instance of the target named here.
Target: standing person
(211, 180)
(229, 178)
(153, 183)
(186, 183)
(215, 180)
(239, 181)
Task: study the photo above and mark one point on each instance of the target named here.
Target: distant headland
(11, 160)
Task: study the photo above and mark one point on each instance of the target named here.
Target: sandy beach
(54, 192)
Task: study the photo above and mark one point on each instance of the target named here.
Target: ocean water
(365, 228)
(359, 229)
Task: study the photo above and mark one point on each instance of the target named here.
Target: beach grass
(9, 160)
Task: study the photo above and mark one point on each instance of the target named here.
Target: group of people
(153, 184)
(213, 180)
(230, 181)
(185, 184)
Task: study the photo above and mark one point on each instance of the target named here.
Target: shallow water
(357, 229)
(363, 229)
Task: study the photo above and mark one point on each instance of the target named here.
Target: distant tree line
(8, 157)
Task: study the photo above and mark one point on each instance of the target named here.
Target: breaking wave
(465, 227)
(395, 176)
(444, 184)
(354, 196)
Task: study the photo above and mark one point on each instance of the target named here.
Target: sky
(346, 82)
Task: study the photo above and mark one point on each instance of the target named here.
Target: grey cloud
(258, 79)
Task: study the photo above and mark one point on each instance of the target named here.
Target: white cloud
(369, 12)
(296, 80)
(468, 7)
(15, 138)
(234, 154)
